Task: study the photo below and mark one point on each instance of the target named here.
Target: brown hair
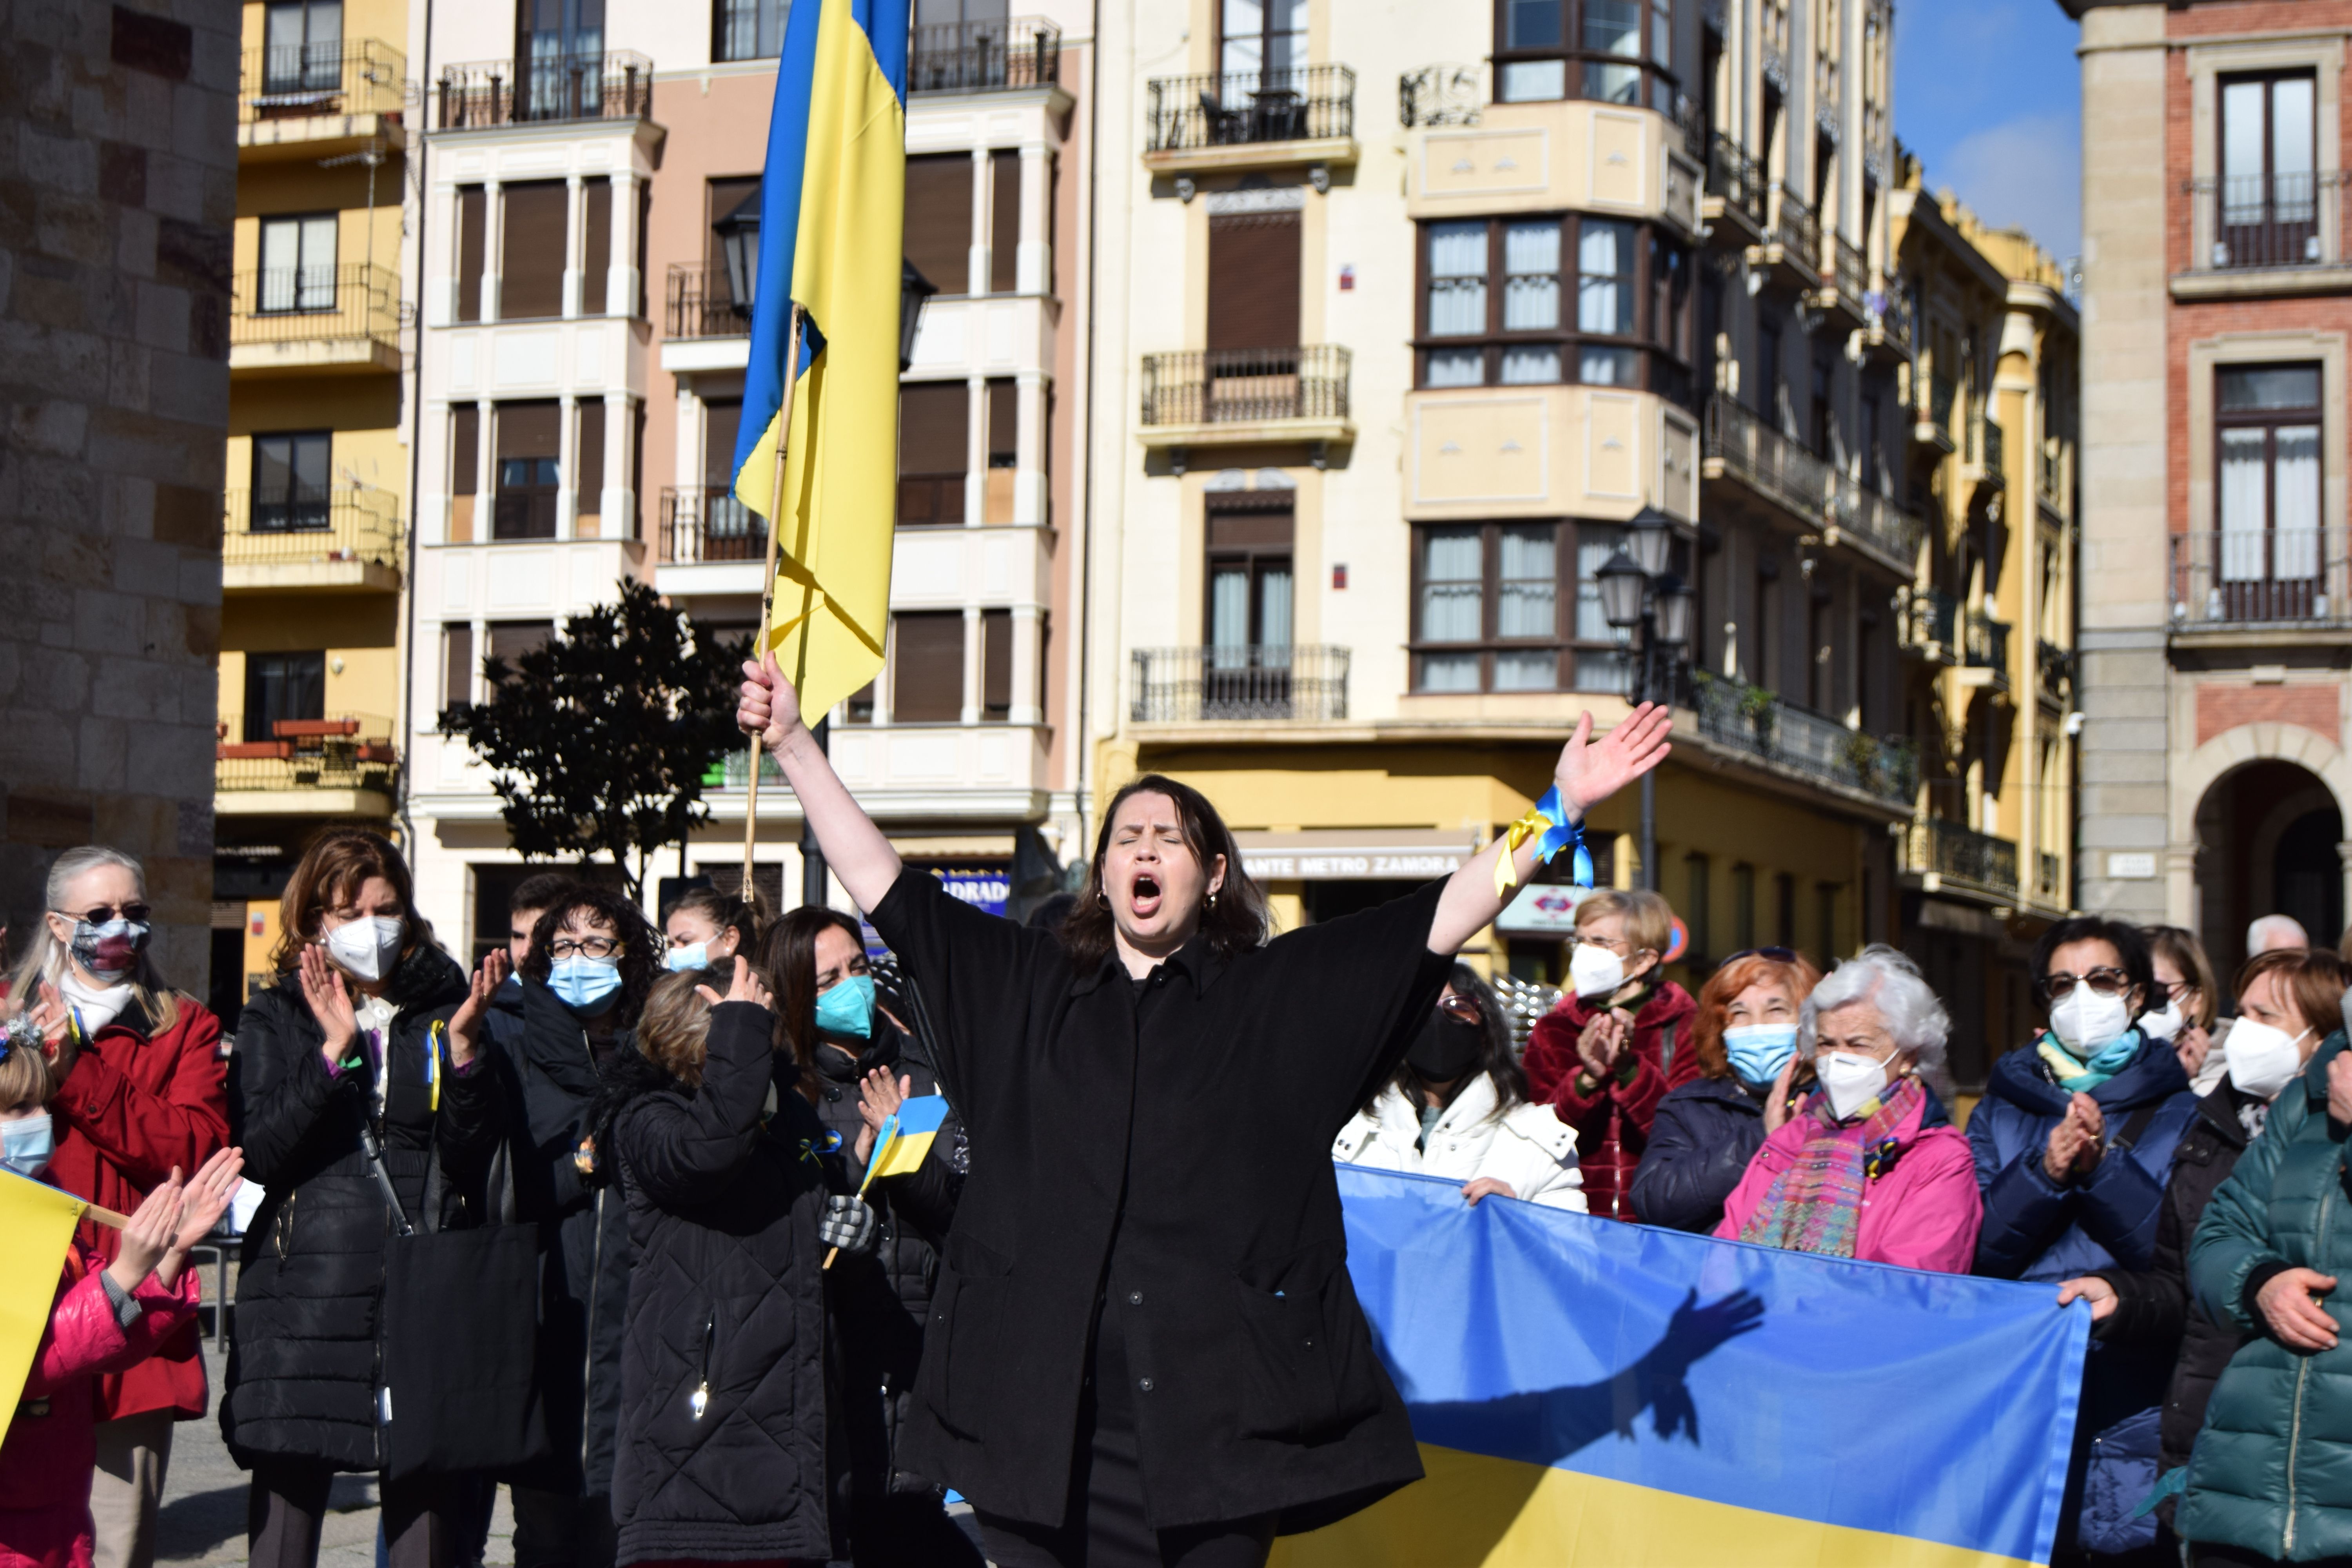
(673, 1030)
(787, 957)
(333, 870)
(1234, 924)
(724, 912)
(640, 960)
(25, 1074)
(1715, 998)
(2313, 976)
(1649, 918)
(2180, 948)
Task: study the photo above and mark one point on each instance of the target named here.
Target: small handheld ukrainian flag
(36, 1225)
(906, 1138)
(831, 212)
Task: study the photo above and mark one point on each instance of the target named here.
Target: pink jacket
(1923, 1214)
(46, 1463)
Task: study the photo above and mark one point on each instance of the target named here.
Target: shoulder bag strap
(2135, 1128)
(374, 1146)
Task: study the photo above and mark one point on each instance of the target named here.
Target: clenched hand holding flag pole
(821, 466)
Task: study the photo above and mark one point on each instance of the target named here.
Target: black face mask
(1446, 1049)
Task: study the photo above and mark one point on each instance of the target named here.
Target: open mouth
(1144, 897)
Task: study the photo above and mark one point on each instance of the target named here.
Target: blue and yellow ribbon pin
(1550, 818)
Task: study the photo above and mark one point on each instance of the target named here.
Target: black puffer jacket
(2154, 1310)
(1706, 1133)
(549, 1072)
(303, 1359)
(727, 1299)
(880, 1302)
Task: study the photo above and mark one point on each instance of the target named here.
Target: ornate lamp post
(1637, 591)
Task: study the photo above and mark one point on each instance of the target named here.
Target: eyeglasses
(2102, 981)
(1462, 1008)
(1622, 946)
(586, 947)
(1777, 954)
(100, 914)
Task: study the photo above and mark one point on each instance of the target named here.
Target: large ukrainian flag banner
(1592, 1394)
(832, 208)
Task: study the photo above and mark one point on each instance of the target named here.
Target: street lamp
(738, 243)
(913, 290)
(1638, 591)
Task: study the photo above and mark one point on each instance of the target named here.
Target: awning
(1354, 854)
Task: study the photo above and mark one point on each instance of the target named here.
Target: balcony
(1984, 649)
(1891, 328)
(1226, 397)
(340, 765)
(1801, 745)
(1932, 422)
(1790, 254)
(346, 540)
(2266, 234)
(1251, 120)
(2050, 475)
(985, 56)
(2054, 669)
(1946, 857)
(1734, 204)
(702, 305)
(1293, 682)
(1846, 280)
(1925, 622)
(1993, 471)
(2287, 581)
(490, 94)
(2050, 880)
(308, 99)
(314, 320)
(705, 523)
(1740, 446)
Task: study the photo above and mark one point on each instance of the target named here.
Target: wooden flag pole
(751, 894)
(105, 1216)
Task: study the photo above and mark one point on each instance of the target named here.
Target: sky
(1988, 94)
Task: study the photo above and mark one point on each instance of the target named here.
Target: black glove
(849, 1225)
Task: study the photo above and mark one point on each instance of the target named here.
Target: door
(1246, 669)
(298, 264)
(2269, 207)
(303, 43)
(560, 54)
(289, 481)
(2268, 429)
(282, 687)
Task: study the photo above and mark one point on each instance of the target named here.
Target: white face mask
(1850, 1079)
(2085, 1021)
(98, 1005)
(1595, 971)
(2263, 1058)
(367, 949)
(2164, 1024)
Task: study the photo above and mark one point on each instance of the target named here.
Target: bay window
(1495, 312)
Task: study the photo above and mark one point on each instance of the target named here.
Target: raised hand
(768, 706)
(2192, 1045)
(2073, 1147)
(465, 1024)
(147, 1236)
(331, 1002)
(55, 1020)
(748, 986)
(205, 1198)
(878, 1098)
(1590, 771)
(1777, 1109)
(1600, 1043)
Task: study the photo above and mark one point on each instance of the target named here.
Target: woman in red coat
(1620, 1038)
(141, 1089)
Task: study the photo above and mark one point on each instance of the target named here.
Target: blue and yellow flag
(907, 1137)
(37, 1224)
(1594, 1395)
(832, 209)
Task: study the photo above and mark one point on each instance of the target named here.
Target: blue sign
(982, 889)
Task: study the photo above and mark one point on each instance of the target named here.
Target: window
(934, 452)
(596, 247)
(749, 29)
(559, 50)
(298, 263)
(529, 438)
(289, 481)
(1249, 575)
(282, 687)
(1611, 51)
(1262, 37)
(1004, 222)
(588, 466)
(926, 668)
(995, 665)
(2268, 430)
(465, 470)
(457, 664)
(1254, 287)
(1003, 441)
(1502, 285)
(2269, 186)
(939, 219)
(302, 46)
(472, 202)
(509, 640)
(1488, 604)
(531, 249)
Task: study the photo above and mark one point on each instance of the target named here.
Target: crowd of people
(1110, 1305)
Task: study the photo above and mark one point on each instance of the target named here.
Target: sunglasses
(2102, 981)
(99, 914)
(1777, 954)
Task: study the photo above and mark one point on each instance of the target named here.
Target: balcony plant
(1760, 707)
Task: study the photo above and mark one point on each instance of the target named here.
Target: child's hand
(148, 1234)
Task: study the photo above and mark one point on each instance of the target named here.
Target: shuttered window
(926, 668)
(995, 665)
(470, 232)
(465, 470)
(595, 244)
(457, 664)
(939, 219)
(1004, 222)
(532, 248)
(934, 433)
(529, 437)
(588, 478)
(1254, 281)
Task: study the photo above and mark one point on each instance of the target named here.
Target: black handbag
(459, 1336)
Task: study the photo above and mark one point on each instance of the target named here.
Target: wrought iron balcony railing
(617, 85)
(702, 305)
(985, 56)
(1804, 744)
(2258, 577)
(1951, 853)
(1795, 229)
(1985, 645)
(2050, 880)
(1776, 467)
(1891, 311)
(301, 527)
(1244, 386)
(1928, 619)
(1186, 113)
(298, 304)
(1734, 179)
(301, 80)
(1996, 455)
(2254, 221)
(342, 751)
(2054, 671)
(705, 523)
(1845, 266)
(1281, 681)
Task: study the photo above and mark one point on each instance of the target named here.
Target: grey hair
(1889, 980)
(46, 958)
(88, 858)
(2276, 931)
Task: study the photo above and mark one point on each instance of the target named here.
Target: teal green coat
(2271, 1471)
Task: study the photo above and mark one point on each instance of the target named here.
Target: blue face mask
(1759, 1051)
(847, 1008)
(586, 985)
(27, 1144)
(695, 957)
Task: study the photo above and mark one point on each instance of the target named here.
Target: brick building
(2216, 613)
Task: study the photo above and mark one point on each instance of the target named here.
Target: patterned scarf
(1815, 1204)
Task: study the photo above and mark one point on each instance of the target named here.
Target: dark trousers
(556, 1530)
(288, 1502)
(906, 1532)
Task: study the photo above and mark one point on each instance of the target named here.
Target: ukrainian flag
(36, 1225)
(832, 207)
(1592, 1394)
(906, 1138)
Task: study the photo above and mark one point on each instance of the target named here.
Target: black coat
(1167, 1156)
(728, 1293)
(2154, 1310)
(1706, 1133)
(303, 1358)
(549, 1074)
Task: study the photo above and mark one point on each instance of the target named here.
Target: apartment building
(590, 221)
(2216, 597)
(315, 510)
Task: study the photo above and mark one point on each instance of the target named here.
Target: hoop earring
(1102, 898)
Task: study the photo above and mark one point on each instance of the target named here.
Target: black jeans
(288, 1502)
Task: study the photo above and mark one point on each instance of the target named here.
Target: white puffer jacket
(1526, 1148)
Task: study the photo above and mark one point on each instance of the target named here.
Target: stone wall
(118, 183)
